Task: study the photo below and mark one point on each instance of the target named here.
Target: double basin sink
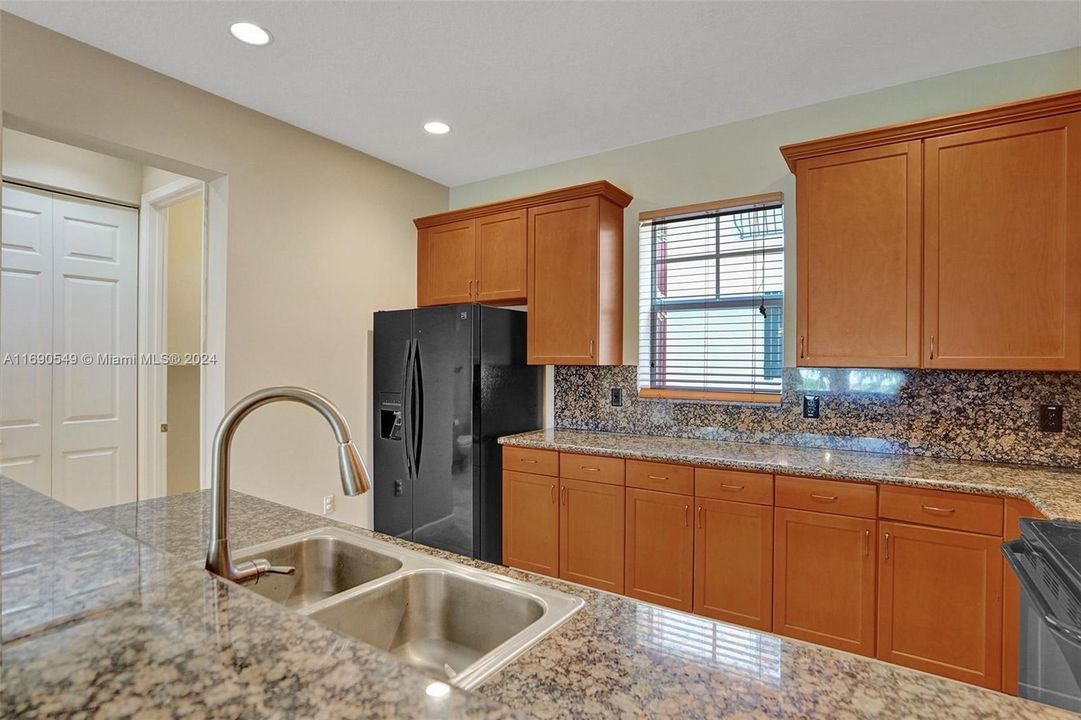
(453, 622)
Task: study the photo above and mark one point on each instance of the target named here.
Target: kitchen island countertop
(615, 658)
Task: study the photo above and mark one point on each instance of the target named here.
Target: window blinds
(711, 302)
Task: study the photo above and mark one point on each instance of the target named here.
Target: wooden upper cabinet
(984, 205)
(591, 533)
(501, 258)
(1003, 247)
(559, 252)
(858, 261)
(824, 579)
(445, 265)
(660, 548)
(576, 283)
(733, 562)
(531, 522)
(940, 602)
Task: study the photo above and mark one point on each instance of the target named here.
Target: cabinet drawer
(828, 496)
(595, 468)
(539, 462)
(660, 476)
(751, 487)
(940, 508)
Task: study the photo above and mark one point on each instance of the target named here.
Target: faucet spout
(354, 474)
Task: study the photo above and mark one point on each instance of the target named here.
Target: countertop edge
(528, 440)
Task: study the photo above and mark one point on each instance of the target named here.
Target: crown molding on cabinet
(958, 122)
(600, 188)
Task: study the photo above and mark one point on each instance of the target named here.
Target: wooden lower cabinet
(733, 562)
(660, 548)
(940, 602)
(530, 522)
(824, 579)
(1011, 595)
(591, 538)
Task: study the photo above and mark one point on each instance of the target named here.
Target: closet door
(95, 291)
(26, 316)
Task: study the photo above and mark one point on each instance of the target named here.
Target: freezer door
(443, 442)
(391, 479)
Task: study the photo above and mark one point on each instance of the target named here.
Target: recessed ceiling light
(250, 33)
(437, 128)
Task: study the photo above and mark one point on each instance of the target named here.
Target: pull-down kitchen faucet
(355, 478)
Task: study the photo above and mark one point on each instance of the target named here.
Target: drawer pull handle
(887, 544)
(866, 543)
(563, 494)
(527, 460)
(553, 494)
(823, 498)
(589, 469)
(732, 487)
(699, 516)
(938, 510)
(686, 516)
(657, 477)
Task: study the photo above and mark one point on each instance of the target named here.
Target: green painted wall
(742, 158)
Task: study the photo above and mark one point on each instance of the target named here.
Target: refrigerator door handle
(418, 417)
(407, 410)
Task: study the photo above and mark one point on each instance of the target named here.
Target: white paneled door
(26, 300)
(90, 320)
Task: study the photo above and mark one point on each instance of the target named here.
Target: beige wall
(742, 158)
(184, 276)
(319, 237)
(182, 447)
(58, 166)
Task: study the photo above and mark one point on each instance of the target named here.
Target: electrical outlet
(811, 406)
(328, 504)
(617, 397)
(1051, 418)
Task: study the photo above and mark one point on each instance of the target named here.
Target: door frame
(153, 328)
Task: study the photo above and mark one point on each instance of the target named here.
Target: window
(712, 301)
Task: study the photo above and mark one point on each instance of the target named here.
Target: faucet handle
(263, 567)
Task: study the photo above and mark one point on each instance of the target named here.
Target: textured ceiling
(525, 84)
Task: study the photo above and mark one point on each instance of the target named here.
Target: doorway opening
(111, 324)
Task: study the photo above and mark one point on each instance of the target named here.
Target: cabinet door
(445, 264)
(1011, 596)
(733, 562)
(530, 522)
(1002, 247)
(591, 534)
(501, 258)
(660, 548)
(563, 283)
(940, 602)
(824, 579)
(858, 258)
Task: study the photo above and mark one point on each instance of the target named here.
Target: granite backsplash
(968, 415)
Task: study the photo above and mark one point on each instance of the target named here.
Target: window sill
(729, 397)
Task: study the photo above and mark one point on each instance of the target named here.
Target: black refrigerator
(449, 381)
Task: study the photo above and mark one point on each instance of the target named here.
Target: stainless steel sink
(326, 565)
(436, 620)
(454, 622)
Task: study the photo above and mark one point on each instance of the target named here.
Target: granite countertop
(1056, 492)
(94, 624)
(615, 658)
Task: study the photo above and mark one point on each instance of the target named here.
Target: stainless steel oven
(1047, 562)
